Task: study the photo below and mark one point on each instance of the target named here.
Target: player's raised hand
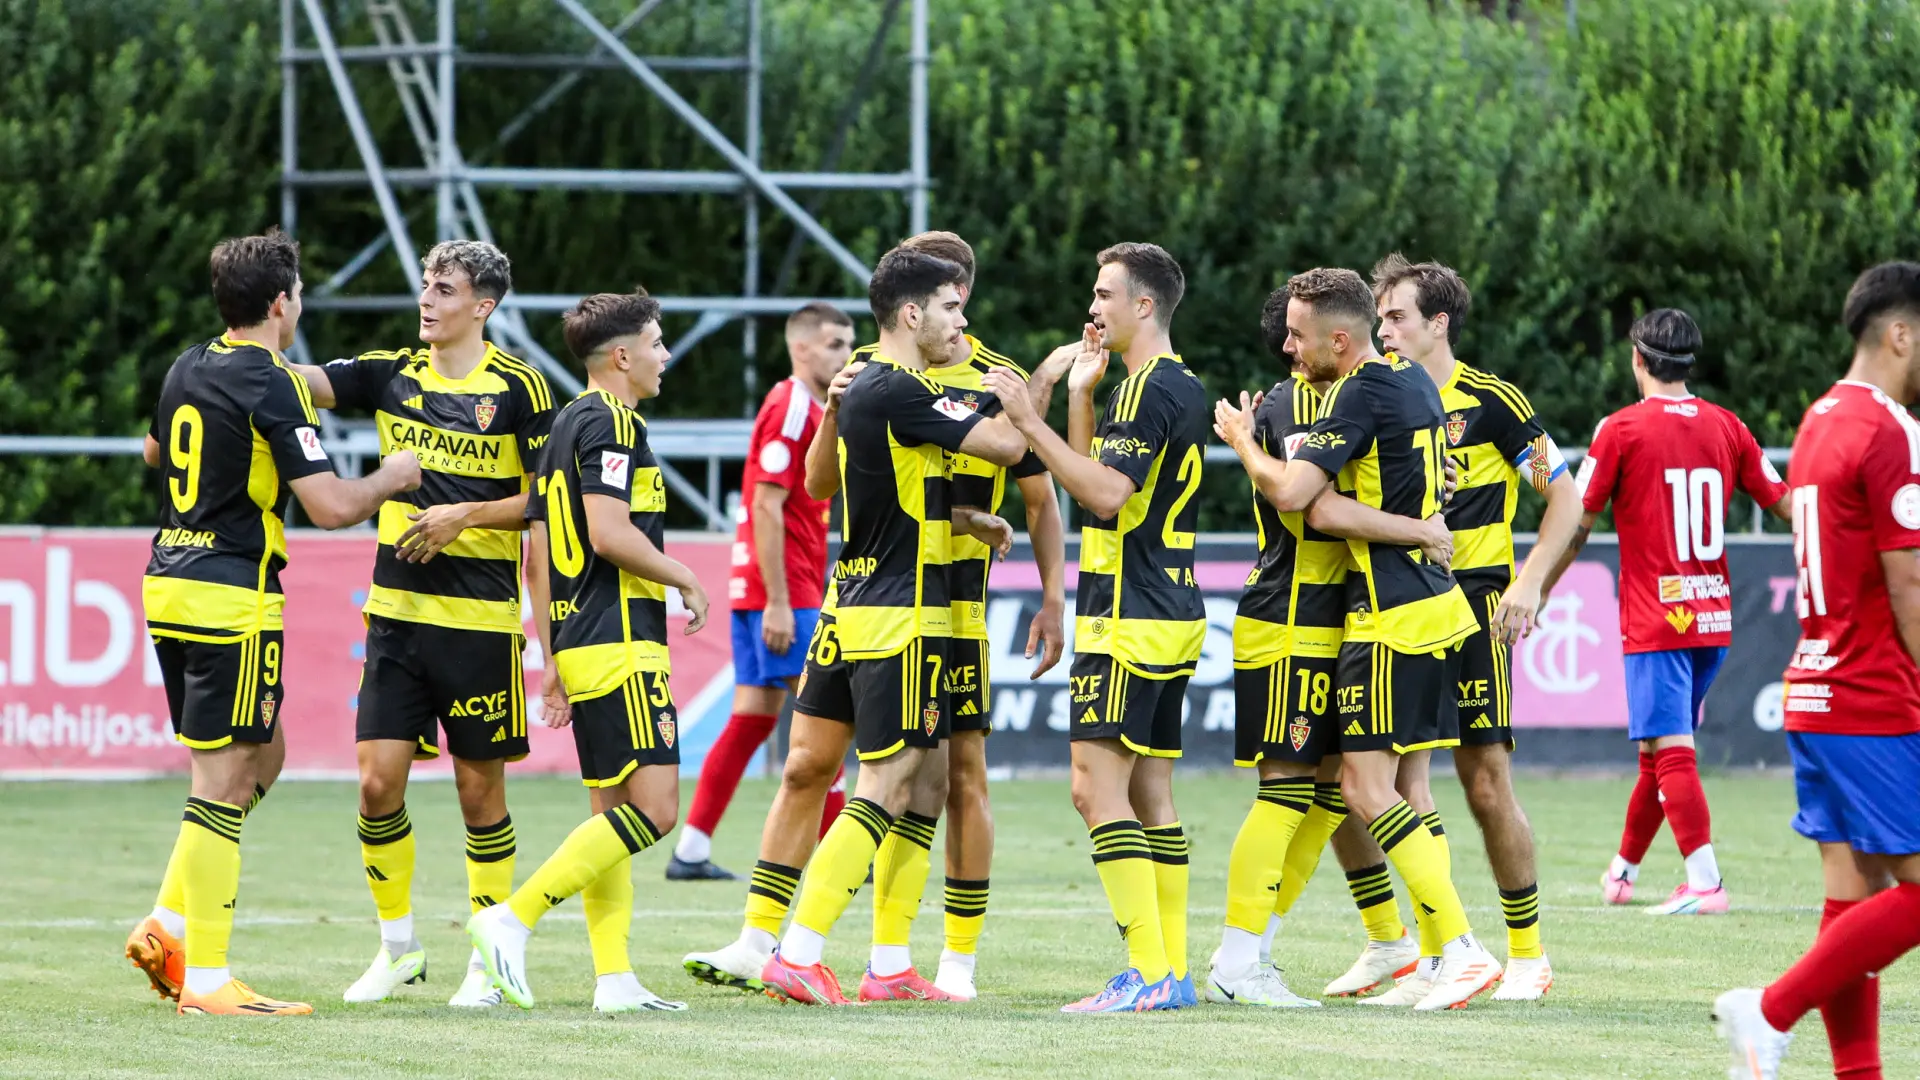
(555, 710)
(1438, 545)
(1518, 614)
(695, 599)
(1234, 425)
(1057, 363)
(432, 530)
(1091, 364)
(1049, 636)
(838, 387)
(1011, 389)
(404, 467)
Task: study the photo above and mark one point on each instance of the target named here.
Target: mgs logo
(666, 726)
(1297, 732)
(1456, 429)
(1325, 440)
(483, 412)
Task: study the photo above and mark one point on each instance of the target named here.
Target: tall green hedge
(1739, 158)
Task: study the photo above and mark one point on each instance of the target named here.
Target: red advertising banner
(80, 691)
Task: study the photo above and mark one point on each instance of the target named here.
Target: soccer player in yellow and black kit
(1382, 433)
(600, 513)
(955, 777)
(233, 432)
(443, 612)
(1497, 444)
(1287, 635)
(1140, 619)
(880, 664)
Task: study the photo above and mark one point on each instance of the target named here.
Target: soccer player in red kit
(779, 574)
(1852, 688)
(1668, 465)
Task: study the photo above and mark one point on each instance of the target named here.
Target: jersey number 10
(1699, 513)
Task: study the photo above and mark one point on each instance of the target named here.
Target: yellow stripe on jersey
(1141, 637)
(1506, 391)
(453, 612)
(470, 544)
(173, 605)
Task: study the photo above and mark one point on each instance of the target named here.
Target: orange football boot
(161, 955)
(237, 999)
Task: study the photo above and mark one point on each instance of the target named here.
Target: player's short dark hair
(1890, 288)
(250, 272)
(1273, 324)
(1667, 339)
(1437, 290)
(1333, 292)
(810, 317)
(486, 266)
(1153, 272)
(944, 245)
(602, 317)
(905, 276)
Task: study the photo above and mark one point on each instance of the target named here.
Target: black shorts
(633, 725)
(1397, 701)
(1486, 677)
(223, 693)
(969, 694)
(1111, 702)
(1284, 711)
(419, 678)
(893, 701)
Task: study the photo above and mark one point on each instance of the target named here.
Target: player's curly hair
(1154, 273)
(1667, 339)
(486, 266)
(249, 274)
(1333, 292)
(1437, 290)
(602, 317)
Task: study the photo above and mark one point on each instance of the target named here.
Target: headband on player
(1657, 354)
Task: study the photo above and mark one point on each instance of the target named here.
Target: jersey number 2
(1189, 475)
(184, 438)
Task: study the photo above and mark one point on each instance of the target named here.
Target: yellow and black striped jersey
(234, 425)
(1382, 433)
(897, 430)
(1295, 600)
(1491, 435)
(477, 439)
(607, 623)
(1137, 598)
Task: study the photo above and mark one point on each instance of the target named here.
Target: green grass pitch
(82, 860)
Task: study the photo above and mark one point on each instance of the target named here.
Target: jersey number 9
(184, 439)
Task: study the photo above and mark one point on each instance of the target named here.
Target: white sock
(172, 921)
(1459, 946)
(1266, 939)
(802, 947)
(965, 961)
(694, 846)
(397, 936)
(511, 923)
(206, 980)
(1239, 952)
(618, 981)
(887, 960)
(474, 963)
(1621, 868)
(1703, 871)
(758, 940)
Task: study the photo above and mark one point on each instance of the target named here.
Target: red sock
(1870, 936)
(1644, 815)
(1852, 1016)
(720, 773)
(1679, 776)
(836, 801)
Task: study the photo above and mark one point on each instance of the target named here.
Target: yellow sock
(595, 847)
(1258, 860)
(1423, 866)
(769, 895)
(1124, 862)
(966, 912)
(609, 906)
(173, 883)
(1522, 909)
(900, 869)
(1372, 893)
(1430, 938)
(386, 853)
(1169, 846)
(210, 871)
(840, 863)
(490, 851)
(1309, 841)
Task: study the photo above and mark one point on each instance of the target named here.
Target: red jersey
(1856, 493)
(1669, 465)
(778, 455)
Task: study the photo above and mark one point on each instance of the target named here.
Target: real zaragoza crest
(266, 710)
(666, 728)
(1297, 732)
(930, 718)
(483, 412)
(1456, 429)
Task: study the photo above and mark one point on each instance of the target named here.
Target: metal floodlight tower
(423, 75)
